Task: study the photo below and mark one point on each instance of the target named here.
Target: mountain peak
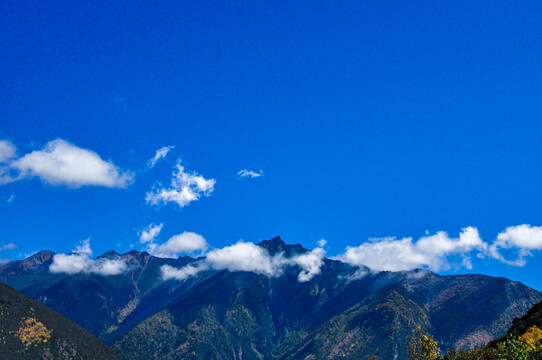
(273, 245)
(276, 245)
(39, 258)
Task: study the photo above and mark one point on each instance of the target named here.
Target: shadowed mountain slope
(30, 330)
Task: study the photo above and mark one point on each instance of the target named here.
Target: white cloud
(149, 233)
(187, 242)
(84, 248)
(322, 242)
(11, 198)
(244, 256)
(80, 261)
(247, 256)
(403, 254)
(62, 163)
(523, 238)
(249, 173)
(184, 188)
(160, 154)
(169, 272)
(8, 152)
(310, 263)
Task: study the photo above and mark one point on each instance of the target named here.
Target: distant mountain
(340, 313)
(30, 330)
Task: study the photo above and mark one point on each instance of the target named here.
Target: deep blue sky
(368, 119)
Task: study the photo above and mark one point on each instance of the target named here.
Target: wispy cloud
(249, 257)
(181, 274)
(11, 198)
(62, 163)
(149, 233)
(9, 246)
(249, 173)
(160, 154)
(80, 261)
(184, 188)
(8, 152)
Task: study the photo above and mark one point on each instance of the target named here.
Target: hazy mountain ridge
(233, 315)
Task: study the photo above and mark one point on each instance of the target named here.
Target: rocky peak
(37, 259)
(276, 245)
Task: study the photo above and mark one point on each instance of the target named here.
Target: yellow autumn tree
(421, 346)
(533, 338)
(33, 332)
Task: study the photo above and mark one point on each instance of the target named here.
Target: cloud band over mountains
(80, 261)
(247, 256)
(437, 252)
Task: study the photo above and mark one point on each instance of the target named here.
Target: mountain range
(342, 312)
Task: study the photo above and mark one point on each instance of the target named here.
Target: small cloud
(185, 187)
(244, 256)
(160, 154)
(62, 163)
(322, 242)
(249, 173)
(84, 248)
(81, 262)
(310, 264)
(149, 233)
(187, 242)
(11, 198)
(524, 238)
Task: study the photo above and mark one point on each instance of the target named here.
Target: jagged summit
(273, 245)
(276, 245)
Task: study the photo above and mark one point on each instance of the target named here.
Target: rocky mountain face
(520, 325)
(30, 330)
(340, 313)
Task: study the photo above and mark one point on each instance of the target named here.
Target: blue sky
(366, 119)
